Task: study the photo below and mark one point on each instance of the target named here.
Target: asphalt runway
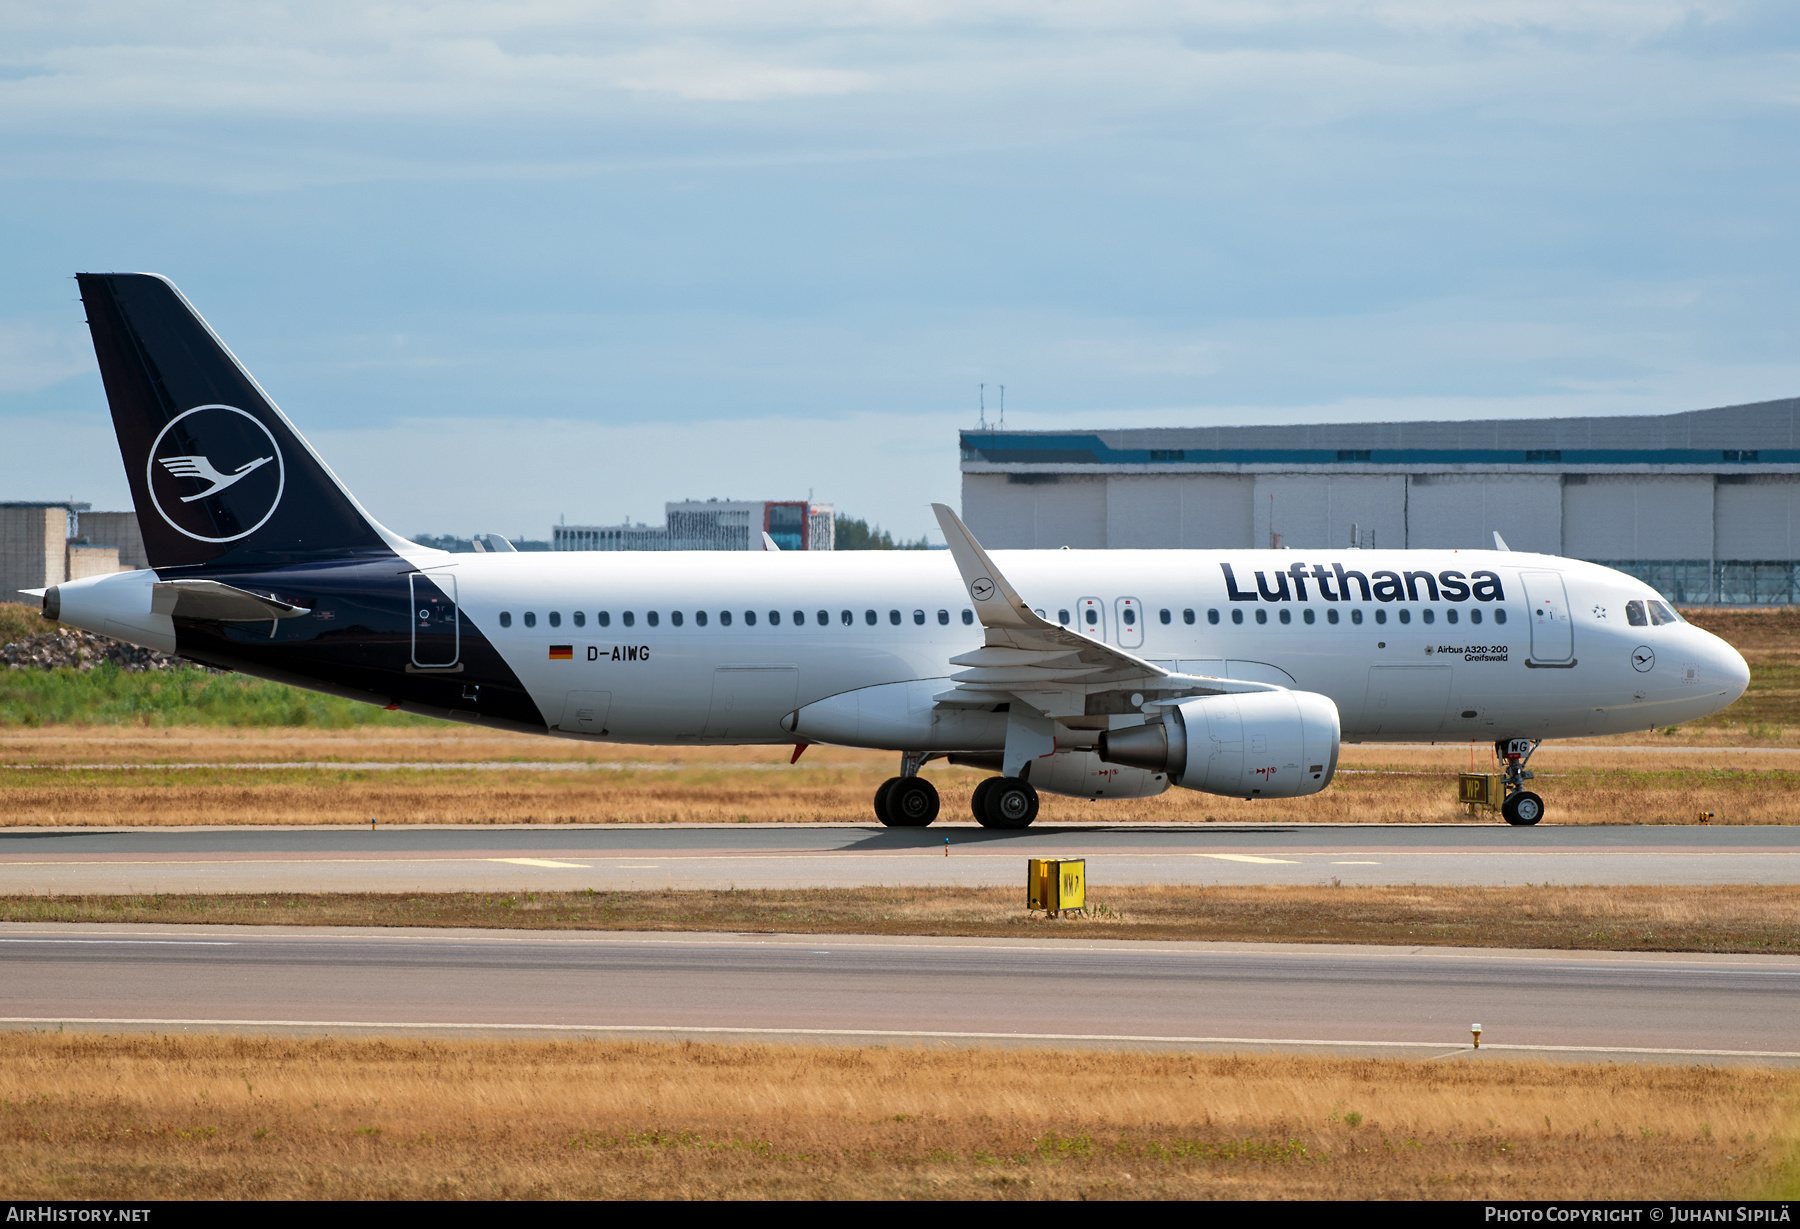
(604, 857)
(1395, 1001)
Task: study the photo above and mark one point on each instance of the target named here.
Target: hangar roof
(1760, 437)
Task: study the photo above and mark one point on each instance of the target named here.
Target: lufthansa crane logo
(1642, 658)
(215, 473)
(982, 589)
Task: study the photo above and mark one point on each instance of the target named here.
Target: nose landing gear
(908, 800)
(1521, 808)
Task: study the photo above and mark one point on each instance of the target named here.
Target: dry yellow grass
(1756, 918)
(293, 777)
(135, 1117)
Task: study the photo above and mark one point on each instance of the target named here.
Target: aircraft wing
(1055, 669)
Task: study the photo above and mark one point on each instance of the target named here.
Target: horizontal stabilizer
(211, 599)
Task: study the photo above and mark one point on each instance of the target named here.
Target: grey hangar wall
(1704, 505)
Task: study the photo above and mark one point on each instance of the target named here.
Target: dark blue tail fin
(218, 474)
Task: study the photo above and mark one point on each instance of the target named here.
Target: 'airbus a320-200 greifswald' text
(1096, 674)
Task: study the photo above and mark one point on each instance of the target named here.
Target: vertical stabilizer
(218, 474)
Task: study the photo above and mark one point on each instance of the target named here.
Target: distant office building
(1703, 505)
(45, 543)
(713, 524)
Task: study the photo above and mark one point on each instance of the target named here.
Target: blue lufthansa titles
(1378, 586)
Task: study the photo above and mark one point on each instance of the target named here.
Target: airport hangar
(1703, 505)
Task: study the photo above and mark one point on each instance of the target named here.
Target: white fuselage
(1543, 650)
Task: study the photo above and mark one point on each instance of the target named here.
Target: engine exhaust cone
(1138, 746)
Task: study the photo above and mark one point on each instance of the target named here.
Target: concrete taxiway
(1392, 1001)
(509, 858)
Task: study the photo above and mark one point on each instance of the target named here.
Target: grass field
(73, 778)
(1759, 919)
(123, 1117)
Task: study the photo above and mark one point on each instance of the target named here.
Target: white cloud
(34, 356)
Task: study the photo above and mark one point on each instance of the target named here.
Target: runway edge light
(1475, 1032)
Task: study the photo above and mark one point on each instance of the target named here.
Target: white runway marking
(552, 864)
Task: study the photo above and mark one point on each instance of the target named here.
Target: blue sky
(509, 262)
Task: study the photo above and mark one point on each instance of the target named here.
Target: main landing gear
(1521, 808)
(908, 800)
(1004, 802)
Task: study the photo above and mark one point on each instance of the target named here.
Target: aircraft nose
(1733, 670)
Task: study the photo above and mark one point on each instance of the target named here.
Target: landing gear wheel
(978, 800)
(910, 802)
(881, 797)
(1523, 809)
(1010, 803)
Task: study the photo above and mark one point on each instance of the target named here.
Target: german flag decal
(562, 652)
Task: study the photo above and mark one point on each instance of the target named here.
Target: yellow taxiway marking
(569, 866)
(1244, 857)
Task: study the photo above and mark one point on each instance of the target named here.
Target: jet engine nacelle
(1263, 744)
(1082, 774)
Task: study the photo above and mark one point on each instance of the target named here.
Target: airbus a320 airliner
(1094, 674)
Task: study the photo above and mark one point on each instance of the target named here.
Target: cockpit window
(1661, 614)
(1634, 614)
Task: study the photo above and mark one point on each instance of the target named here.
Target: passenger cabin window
(1429, 615)
(869, 617)
(1262, 616)
(700, 617)
(604, 618)
(1093, 616)
(944, 618)
(894, 617)
(968, 617)
(774, 618)
(1634, 615)
(1331, 616)
(724, 618)
(1237, 616)
(800, 618)
(1474, 616)
(846, 618)
(628, 618)
(531, 618)
(1356, 616)
(824, 617)
(675, 617)
(1187, 616)
(1287, 616)
(1499, 616)
(506, 618)
(749, 618)
(580, 617)
(1450, 615)
(1164, 616)
(1380, 616)
(1405, 616)
(1307, 615)
(1661, 614)
(1062, 617)
(919, 617)
(556, 618)
(1212, 616)
(652, 618)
